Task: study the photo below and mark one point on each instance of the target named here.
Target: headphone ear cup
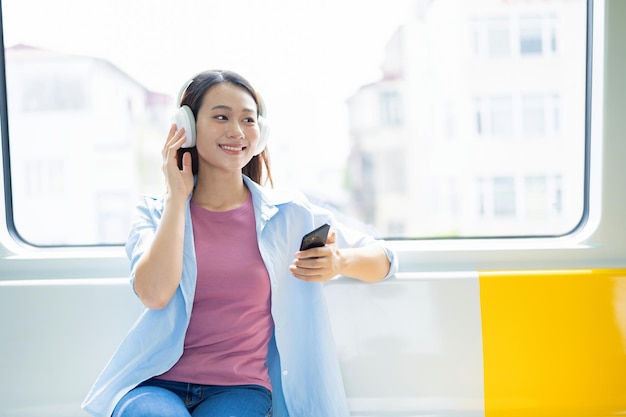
(264, 135)
(183, 118)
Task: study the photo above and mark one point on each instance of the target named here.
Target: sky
(305, 57)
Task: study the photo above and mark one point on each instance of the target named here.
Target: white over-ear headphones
(183, 118)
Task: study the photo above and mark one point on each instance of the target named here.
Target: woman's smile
(233, 149)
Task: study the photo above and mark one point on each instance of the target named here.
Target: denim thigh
(168, 399)
(235, 401)
(150, 401)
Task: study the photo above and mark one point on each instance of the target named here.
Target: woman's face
(227, 130)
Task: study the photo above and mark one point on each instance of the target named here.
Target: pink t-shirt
(231, 323)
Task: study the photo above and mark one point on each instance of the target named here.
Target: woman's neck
(220, 194)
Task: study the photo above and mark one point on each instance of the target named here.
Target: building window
(44, 177)
(504, 197)
(495, 37)
(554, 109)
(540, 114)
(539, 197)
(542, 196)
(530, 35)
(480, 112)
(416, 66)
(552, 33)
(533, 115)
(535, 196)
(501, 109)
(528, 115)
(496, 197)
(54, 93)
(498, 37)
(494, 116)
(390, 108)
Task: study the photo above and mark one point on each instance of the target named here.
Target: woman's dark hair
(193, 95)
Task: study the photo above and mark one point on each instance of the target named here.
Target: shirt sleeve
(393, 260)
(142, 231)
(354, 237)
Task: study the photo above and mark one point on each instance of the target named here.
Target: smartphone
(316, 238)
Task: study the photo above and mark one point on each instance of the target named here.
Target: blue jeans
(159, 398)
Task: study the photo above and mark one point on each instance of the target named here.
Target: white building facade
(108, 125)
(477, 127)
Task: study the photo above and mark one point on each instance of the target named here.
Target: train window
(417, 118)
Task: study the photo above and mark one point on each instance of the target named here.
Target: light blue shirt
(303, 366)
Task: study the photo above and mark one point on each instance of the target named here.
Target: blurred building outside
(477, 126)
(79, 129)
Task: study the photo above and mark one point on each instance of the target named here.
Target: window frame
(573, 249)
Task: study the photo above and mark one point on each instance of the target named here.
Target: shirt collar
(266, 200)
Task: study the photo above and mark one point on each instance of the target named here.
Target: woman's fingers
(175, 140)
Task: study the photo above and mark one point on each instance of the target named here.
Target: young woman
(235, 322)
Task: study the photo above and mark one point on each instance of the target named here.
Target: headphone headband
(182, 91)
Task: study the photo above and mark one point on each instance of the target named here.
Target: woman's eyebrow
(228, 108)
